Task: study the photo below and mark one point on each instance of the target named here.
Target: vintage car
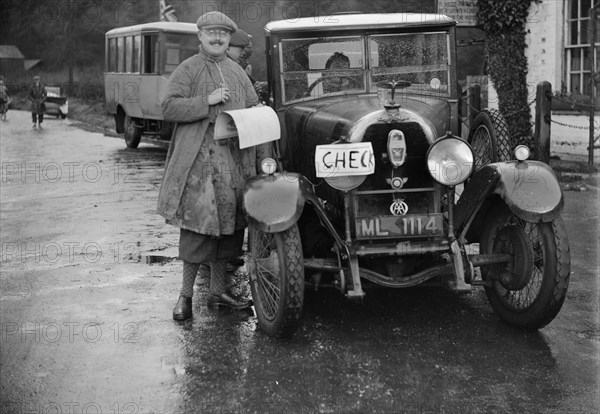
(56, 104)
(372, 181)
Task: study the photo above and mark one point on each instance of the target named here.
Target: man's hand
(219, 95)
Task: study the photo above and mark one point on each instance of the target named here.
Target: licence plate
(410, 225)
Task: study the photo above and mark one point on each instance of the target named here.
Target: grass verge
(92, 113)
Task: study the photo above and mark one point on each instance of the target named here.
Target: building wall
(545, 56)
(545, 44)
(544, 48)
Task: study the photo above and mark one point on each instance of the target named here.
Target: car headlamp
(450, 160)
(268, 166)
(346, 183)
(522, 152)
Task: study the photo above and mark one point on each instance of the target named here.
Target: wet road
(86, 326)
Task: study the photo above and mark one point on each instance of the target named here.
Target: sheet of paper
(253, 126)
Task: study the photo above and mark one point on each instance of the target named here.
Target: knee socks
(218, 282)
(190, 270)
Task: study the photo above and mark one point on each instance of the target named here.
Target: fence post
(543, 117)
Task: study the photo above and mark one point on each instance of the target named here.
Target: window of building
(579, 57)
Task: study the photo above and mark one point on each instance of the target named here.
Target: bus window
(172, 60)
(179, 47)
(128, 53)
(112, 55)
(121, 54)
(150, 64)
(135, 57)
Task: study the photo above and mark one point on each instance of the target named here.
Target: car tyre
(529, 290)
(132, 134)
(276, 267)
(489, 138)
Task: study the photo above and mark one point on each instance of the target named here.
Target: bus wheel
(166, 130)
(133, 134)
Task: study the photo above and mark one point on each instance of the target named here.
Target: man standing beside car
(203, 182)
(240, 50)
(37, 96)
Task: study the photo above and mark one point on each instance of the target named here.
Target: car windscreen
(316, 67)
(419, 58)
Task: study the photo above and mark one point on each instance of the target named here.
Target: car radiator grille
(414, 169)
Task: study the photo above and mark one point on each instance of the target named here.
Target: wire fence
(580, 108)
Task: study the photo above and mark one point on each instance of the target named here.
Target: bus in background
(138, 62)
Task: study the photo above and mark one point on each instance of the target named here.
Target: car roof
(156, 26)
(359, 21)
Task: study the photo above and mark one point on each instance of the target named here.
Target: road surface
(86, 312)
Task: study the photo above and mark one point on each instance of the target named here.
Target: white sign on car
(337, 160)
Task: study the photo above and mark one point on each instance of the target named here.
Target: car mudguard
(275, 202)
(530, 189)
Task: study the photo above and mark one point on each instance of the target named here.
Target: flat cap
(215, 19)
(240, 39)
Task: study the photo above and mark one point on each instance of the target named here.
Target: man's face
(337, 82)
(214, 41)
(235, 52)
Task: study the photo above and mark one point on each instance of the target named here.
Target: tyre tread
(295, 291)
(502, 135)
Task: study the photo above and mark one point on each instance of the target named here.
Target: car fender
(275, 202)
(529, 189)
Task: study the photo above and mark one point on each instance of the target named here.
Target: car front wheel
(276, 267)
(529, 290)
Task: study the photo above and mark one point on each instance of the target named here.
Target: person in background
(240, 50)
(37, 96)
(202, 187)
(4, 99)
(335, 83)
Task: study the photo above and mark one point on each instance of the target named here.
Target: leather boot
(227, 300)
(183, 309)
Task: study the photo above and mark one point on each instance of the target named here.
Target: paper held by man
(253, 126)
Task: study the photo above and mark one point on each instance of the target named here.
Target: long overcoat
(37, 96)
(203, 180)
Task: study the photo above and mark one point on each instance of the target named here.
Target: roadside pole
(594, 29)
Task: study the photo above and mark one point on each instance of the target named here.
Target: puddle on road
(154, 259)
